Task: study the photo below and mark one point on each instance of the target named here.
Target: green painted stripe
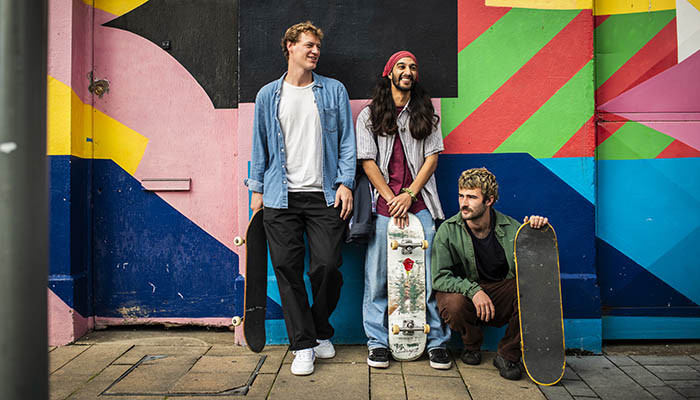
(621, 36)
(490, 60)
(550, 127)
(633, 141)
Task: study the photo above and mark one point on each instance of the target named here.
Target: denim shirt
(268, 162)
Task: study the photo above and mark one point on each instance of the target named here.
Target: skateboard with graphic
(539, 303)
(255, 298)
(406, 289)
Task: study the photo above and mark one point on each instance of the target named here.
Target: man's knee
(452, 306)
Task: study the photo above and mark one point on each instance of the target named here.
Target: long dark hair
(383, 111)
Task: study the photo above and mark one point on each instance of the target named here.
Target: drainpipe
(23, 200)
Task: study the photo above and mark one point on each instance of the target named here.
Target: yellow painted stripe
(70, 125)
(543, 4)
(695, 3)
(600, 7)
(607, 7)
(116, 7)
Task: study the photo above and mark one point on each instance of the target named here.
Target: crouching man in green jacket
(474, 271)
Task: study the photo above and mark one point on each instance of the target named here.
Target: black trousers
(285, 228)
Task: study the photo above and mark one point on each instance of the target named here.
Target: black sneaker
(439, 359)
(378, 357)
(508, 369)
(471, 357)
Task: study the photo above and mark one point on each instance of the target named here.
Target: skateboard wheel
(395, 329)
(426, 328)
(394, 244)
(238, 241)
(424, 245)
(236, 321)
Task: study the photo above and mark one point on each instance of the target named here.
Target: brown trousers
(459, 313)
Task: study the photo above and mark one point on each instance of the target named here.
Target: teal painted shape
(650, 328)
(577, 172)
(584, 334)
(648, 208)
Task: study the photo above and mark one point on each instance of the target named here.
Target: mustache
(465, 208)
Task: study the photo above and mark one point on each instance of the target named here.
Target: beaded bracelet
(410, 193)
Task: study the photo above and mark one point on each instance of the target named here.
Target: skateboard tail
(553, 376)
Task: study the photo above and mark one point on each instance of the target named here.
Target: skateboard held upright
(406, 289)
(255, 300)
(539, 303)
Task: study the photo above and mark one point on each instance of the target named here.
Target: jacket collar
(316, 78)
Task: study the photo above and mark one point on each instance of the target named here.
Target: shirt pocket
(329, 119)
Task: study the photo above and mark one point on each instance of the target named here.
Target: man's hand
(256, 201)
(399, 205)
(536, 221)
(343, 197)
(485, 310)
(401, 222)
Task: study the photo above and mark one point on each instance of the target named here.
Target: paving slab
(395, 367)
(555, 393)
(92, 389)
(329, 381)
(60, 356)
(606, 380)
(73, 375)
(275, 355)
(675, 372)
(578, 388)
(422, 367)
(387, 386)
(665, 360)
(642, 376)
(137, 352)
(157, 335)
(622, 361)
(420, 387)
(343, 354)
(665, 393)
(686, 388)
(570, 375)
(487, 384)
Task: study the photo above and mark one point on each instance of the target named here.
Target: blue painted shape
(527, 187)
(584, 334)
(648, 207)
(577, 172)
(150, 260)
(620, 327)
(622, 280)
(70, 239)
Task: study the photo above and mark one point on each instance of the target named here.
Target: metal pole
(23, 200)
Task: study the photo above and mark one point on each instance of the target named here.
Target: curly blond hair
(293, 32)
(480, 178)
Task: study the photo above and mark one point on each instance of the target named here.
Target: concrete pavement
(201, 364)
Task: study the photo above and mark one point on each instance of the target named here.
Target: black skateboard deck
(255, 300)
(539, 304)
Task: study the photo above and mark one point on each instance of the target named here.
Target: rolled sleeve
(434, 143)
(366, 145)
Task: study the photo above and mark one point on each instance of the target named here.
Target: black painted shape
(202, 36)
(539, 300)
(256, 283)
(359, 37)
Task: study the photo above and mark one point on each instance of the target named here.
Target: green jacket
(453, 264)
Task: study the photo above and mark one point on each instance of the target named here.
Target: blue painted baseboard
(615, 327)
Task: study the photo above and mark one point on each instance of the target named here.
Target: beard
(396, 81)
(476, 214)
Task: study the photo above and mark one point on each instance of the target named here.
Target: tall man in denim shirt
(302, 171)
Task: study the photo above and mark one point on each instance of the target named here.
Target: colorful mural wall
(586, 112)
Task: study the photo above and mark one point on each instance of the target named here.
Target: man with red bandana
(398, 142)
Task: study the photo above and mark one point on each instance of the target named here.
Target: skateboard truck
(409, 328)
(407, 245)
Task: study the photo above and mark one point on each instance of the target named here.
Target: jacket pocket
(329, 119)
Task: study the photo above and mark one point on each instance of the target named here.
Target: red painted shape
(599, 19)
(474, 18)
(526, 91)
(678, 149)
(606, 129)
(582, 144)
(659, 54)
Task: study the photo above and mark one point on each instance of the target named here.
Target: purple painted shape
(675, 90)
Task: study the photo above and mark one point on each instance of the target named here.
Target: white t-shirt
(301, 128)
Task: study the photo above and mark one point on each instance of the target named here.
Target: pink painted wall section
(153, 94)
(70, 44)
(65, 324)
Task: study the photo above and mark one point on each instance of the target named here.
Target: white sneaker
(324, 349)
(303, 363)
